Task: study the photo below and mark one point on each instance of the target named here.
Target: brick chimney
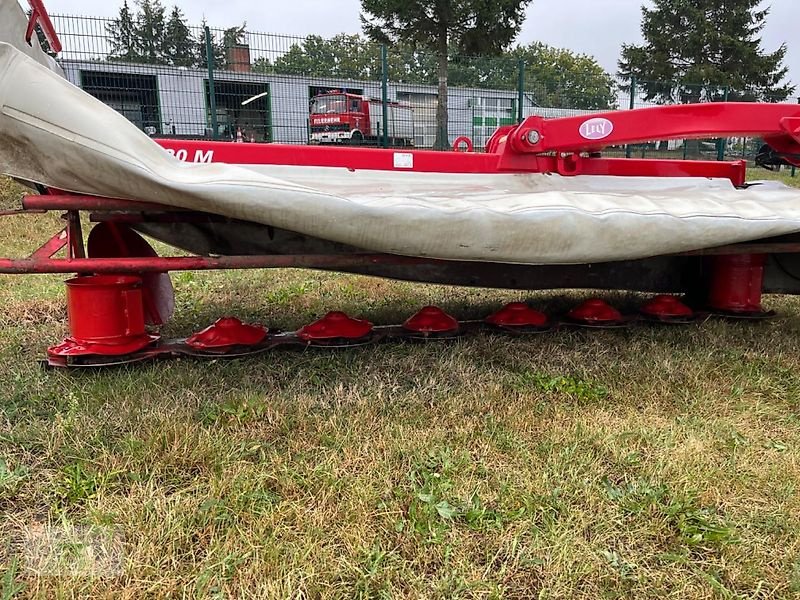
(239, 58)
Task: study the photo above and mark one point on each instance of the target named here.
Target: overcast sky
(596, 27)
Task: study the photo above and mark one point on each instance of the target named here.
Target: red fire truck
(340, 118)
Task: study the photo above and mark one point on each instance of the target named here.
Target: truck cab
(337, 117)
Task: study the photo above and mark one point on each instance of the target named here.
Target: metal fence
(235, 84)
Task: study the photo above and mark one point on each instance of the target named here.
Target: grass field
(650, 462)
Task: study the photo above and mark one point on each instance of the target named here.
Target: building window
(134, 96)
(243, 111)
(489, 113)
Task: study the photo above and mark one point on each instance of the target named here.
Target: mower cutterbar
(122, 284)
(114, 295)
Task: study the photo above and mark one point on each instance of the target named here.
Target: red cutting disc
(335, 325)
(595, 312)
(666, 307)
(517, 314)
(227, 331)
(431, 319)
(71, 347)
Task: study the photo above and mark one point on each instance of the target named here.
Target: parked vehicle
(340, 118)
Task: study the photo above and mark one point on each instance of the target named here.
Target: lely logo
(596, 129)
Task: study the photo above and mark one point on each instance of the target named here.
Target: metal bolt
(534, 137)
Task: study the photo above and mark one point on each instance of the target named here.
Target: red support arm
(778, 123)
(40, 17)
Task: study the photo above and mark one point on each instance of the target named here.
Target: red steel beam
(31, 265)
(75, 247)
(200, 151)
(425, 161)
(96, 203)
(200, 263)
(20, 211)
(51, 246)
(735, 171)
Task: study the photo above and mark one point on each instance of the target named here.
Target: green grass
(784, 175)
(651, 462)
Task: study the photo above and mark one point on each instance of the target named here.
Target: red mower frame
(108, 308)
(567, 146)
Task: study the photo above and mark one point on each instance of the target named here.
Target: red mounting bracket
(40, 17)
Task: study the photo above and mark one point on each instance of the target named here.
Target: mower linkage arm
(38, 16)
(777, 124)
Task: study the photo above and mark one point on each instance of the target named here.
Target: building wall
(182, 99)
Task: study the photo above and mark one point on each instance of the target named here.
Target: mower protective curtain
(53, 133)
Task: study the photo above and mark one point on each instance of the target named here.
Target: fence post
(385, 93)
(212, 93)
(473, 122)
(794, 169)
(520, 88)
(631, 106)
(722, 142)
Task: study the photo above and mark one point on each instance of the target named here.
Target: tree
(233, 36)
(179, 47)
(343, 56)
(349, 56)
(410, 65)
(123, 36)
(470, 26)
(150, 27)
(559, 78)
(217, 50)
(554, 77)
(263, 65)
(698, 49)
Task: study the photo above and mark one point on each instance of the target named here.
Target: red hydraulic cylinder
(736, 281)
(105, 309)
(106, 317)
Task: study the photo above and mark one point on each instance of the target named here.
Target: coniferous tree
(474, 27)
(150, 29)
(179, 47)
(233, 36)
(217, 49)
(698, 49)
(123, 36)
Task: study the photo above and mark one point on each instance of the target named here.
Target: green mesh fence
(234, 84)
